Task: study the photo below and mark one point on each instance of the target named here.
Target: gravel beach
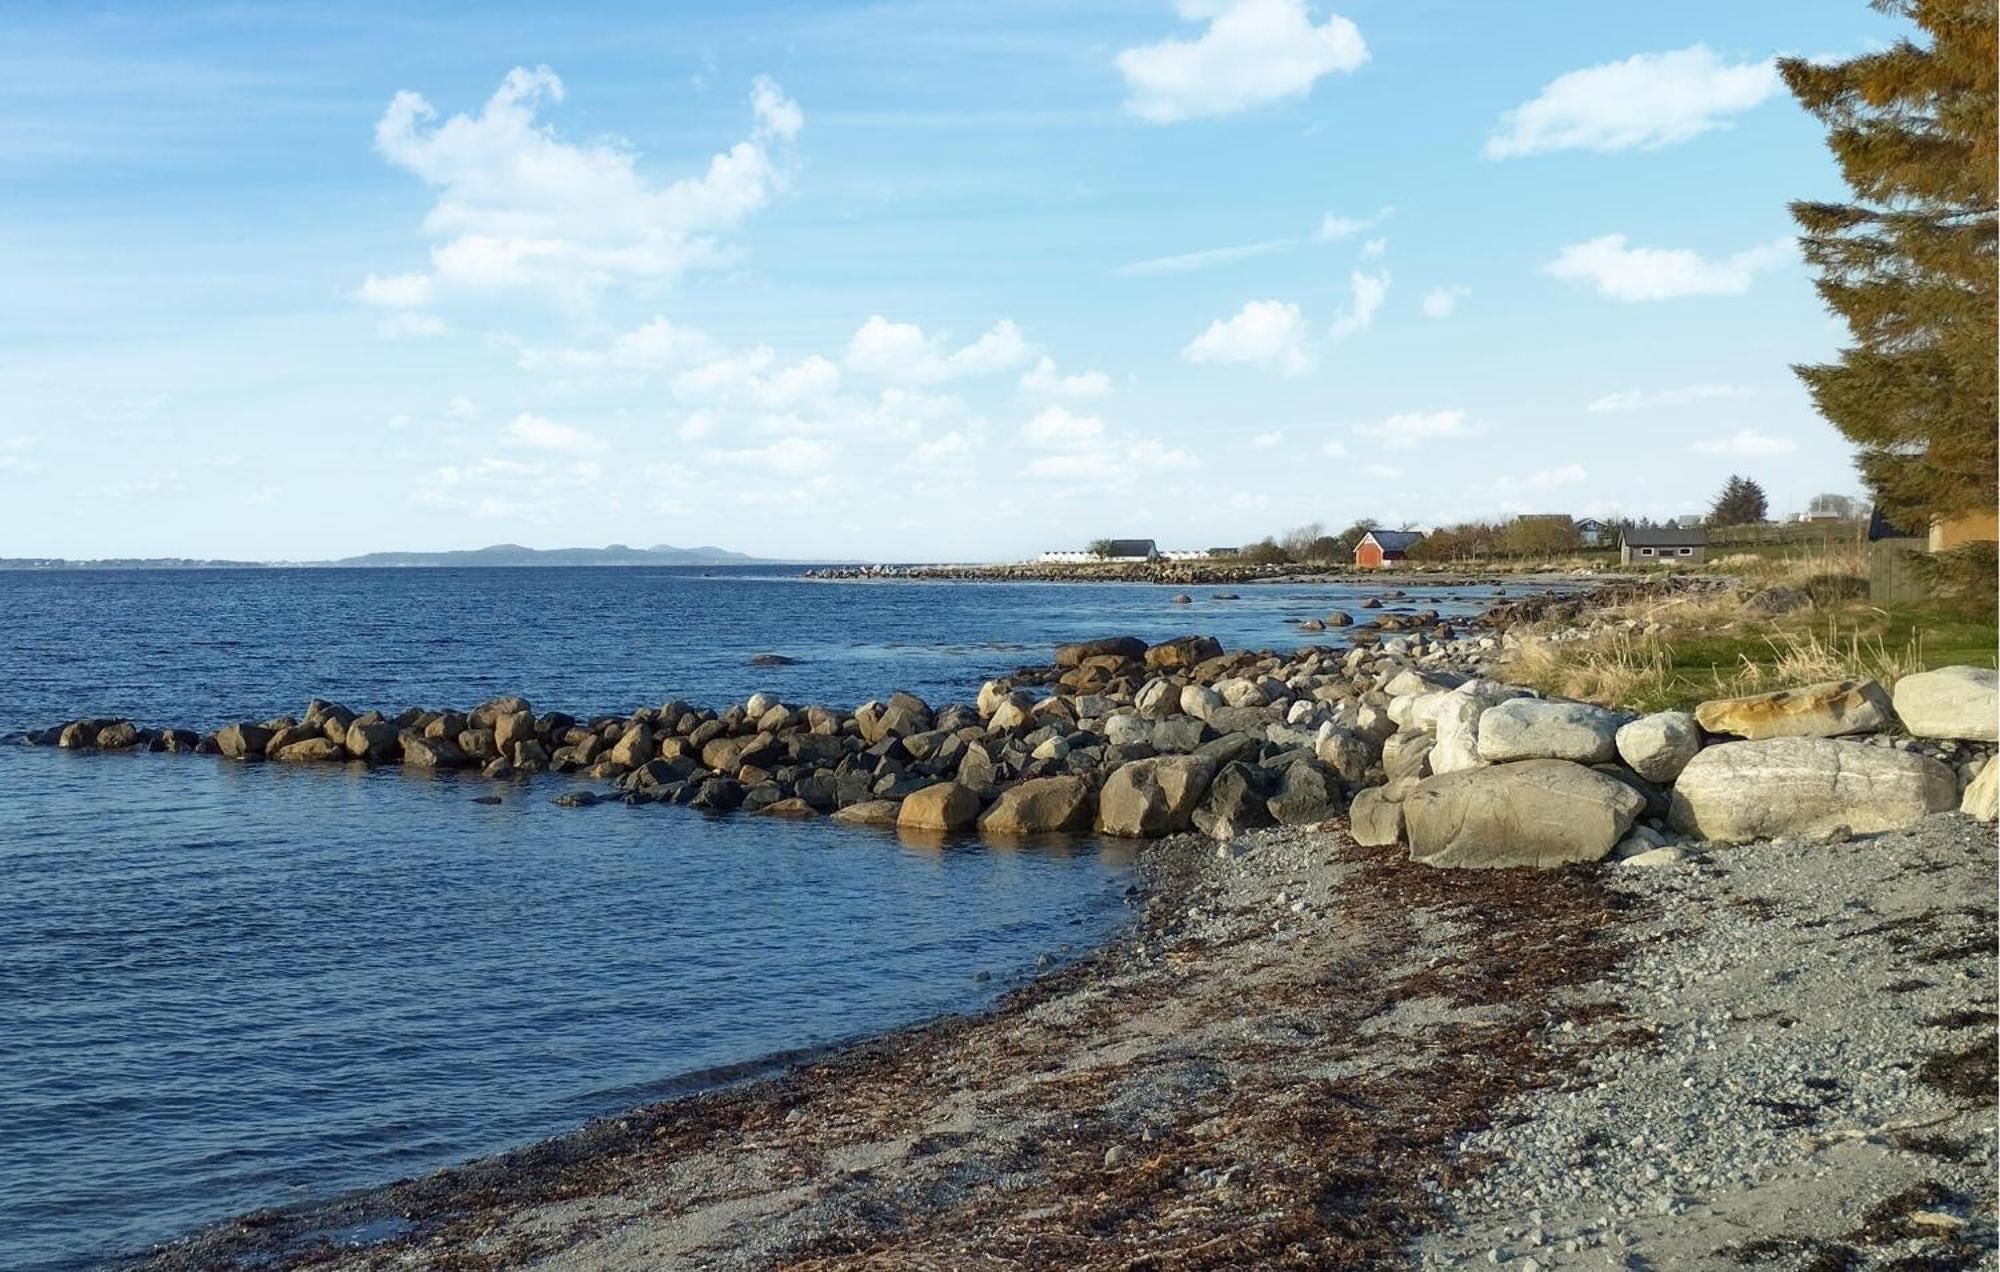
(1306, 1053)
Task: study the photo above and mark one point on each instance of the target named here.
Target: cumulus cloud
(1267, 441)
(1381, 472)
(537, 433)
(1334, 449)
(1058, 429)
(1410, 429)
(520, 208)
(1747, 443)
(1649, 100)
(1442, 302)
(902, 352)
(1267, 333)
(1370, 290)
(1251, 53)
(1654, 273)
(1641, 399)
(1042, 378)
(657, 345)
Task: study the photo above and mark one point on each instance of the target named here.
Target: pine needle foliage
(1909, 262)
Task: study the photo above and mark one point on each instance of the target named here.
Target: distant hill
(513, 554)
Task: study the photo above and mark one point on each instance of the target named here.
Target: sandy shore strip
(1306, 1053)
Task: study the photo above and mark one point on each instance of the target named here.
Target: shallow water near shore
(234, 986)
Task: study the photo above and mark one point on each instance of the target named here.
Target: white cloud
(461, 409)
(950, 446)
(1411, 429)
(1748, 443)
(538, 433)
(1042, 378)
(789, 455)
(396, 291)
(657, 345)
(1545, 480)
(1381, 472)
(1641, 399)
(1267, 441)
(1442, 302)
(1251, 53)
(1187, 261)
(518, 208)
(1653, 273)
(1334, 450)
(1370, 290)
(1058, 429)
(1333, 227)
(1375, 248)
(1266, 332)
(1649, 100)
(901, 352)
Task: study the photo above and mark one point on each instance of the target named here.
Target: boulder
(1658, 746)
(373, 742)
(1146, 799)
(1531, 729)
(1951, 702)
(1182, 651)
(1127, 730)
(1043, 805)
(1374, 819)
(242, 741)
(1200, 701)
(1982, 794)
(1236, 801)
(718, 795)
(1537, 812)
(869, 812)
(1307, 793)
(423, 752)
(942, 806)
(1345, 752)
(634, 747)
(1456, 723)
(1158, 699)
(118, 735)
(1816, 711)
(1114, 646)
(1741, 791)
(311, 751)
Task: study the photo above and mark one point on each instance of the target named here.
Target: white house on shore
(1123, 551)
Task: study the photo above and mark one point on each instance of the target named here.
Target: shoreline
(1306, 1051)
(1320, 959)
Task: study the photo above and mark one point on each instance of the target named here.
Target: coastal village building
(1666, 545)
(1385, 547)
(1122, 550)
(1592, 531)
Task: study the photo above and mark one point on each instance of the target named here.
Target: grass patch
(1686, 647)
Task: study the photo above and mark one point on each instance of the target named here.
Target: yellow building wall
(1980, 527)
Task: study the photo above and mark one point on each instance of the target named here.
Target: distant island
(498, 555)
(507, 554)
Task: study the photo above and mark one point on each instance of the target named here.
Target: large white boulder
(1658, 746)
(1741, 791)
(1826, 710)
(1540, 813)
(1531, 729)
(1951, 702)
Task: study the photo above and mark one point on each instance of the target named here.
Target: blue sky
(898, 281)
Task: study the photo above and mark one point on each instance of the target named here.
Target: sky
(897, 281)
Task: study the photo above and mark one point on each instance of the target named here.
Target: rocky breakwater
(1414, 739)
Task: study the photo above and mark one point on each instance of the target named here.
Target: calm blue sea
(224, 987)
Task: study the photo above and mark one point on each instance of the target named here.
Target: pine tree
(1909, 264)
(1741, 503)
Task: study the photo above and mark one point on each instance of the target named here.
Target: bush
(1962, 579)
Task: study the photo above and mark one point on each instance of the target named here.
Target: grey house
(1663, 546)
